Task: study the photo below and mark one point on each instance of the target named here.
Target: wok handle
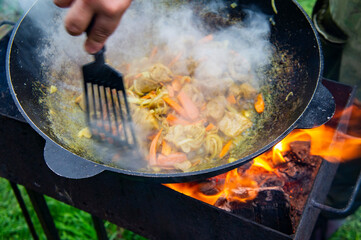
(67, 164)
(321, 109)
(351, 205)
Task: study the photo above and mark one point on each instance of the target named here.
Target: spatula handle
(99, 56)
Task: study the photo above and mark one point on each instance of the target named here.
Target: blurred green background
(76, 224)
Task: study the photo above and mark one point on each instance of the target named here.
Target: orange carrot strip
(199, 121)
(188, 105)
(206, 39)
(138, 75)
(154, 52)
(171, 159)
(259, 103)
(177, 86)
(149, 95)
(174, 120)
(231, 99)
(210, 127)
(175, 59)
(153, 149)
(166, 148)
(173, 104)
(225, 148)
(187, 79)
(170, 91)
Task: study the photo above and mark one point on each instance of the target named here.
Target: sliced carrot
(174, 120)
(188, 105)
(149, 95)
(187, 79)
(173, 104)
(259, 103)
(202, 121)
(166, 148)
(225, 148)
(231, 99)
(138, 75)
(206, 39)
(170, 91)
(210, 127)
(176, 84)
(171, 159)
(174, 60)
(153, 149)
(153, 52)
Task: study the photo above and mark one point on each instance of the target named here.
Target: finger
(103, 27)
(78, 17)
(63, 3)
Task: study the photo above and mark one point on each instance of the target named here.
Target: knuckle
(101, 34)
(62, 3)
(116, 8)
(73, 28)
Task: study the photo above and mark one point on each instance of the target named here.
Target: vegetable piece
(231, 99)
(171, 159)
(85, 132)
(175, 60)
(188, 105)
(154, 52)
(184, 166)
(153, 149)
(166, 148)
(174, 120)
(259, 103)
(173, 104)
(225, 148)
(170, 91)
(53, 89)
(176, 84)
(206, 39)
(210, 127)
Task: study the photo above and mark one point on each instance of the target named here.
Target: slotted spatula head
(107, 109)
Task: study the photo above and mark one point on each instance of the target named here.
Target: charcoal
(301, 149)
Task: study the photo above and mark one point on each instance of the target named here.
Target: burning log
(270, 208)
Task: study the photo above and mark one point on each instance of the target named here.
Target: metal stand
(46, 220)
(26, 214)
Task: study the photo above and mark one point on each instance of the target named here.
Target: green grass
(351, 229)
(72, 223)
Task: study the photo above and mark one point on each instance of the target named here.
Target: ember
(281, 177)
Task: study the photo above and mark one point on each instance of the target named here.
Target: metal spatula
(107, 108)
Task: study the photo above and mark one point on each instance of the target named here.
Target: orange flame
(325, 141)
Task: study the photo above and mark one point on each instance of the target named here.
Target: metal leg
(43, 213)
(99, 228)
(26, 214)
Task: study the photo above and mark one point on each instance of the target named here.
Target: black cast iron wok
(298, 98)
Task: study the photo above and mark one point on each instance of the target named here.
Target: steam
(237, 51)
(242, 48)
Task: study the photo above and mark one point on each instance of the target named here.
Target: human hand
(106, 13)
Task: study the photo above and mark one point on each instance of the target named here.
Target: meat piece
(160, 73)
(233, 124)
(216, 108)
(187, 138)
(244, 90)
(144, 84)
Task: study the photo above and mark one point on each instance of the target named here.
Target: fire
(242, 184)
